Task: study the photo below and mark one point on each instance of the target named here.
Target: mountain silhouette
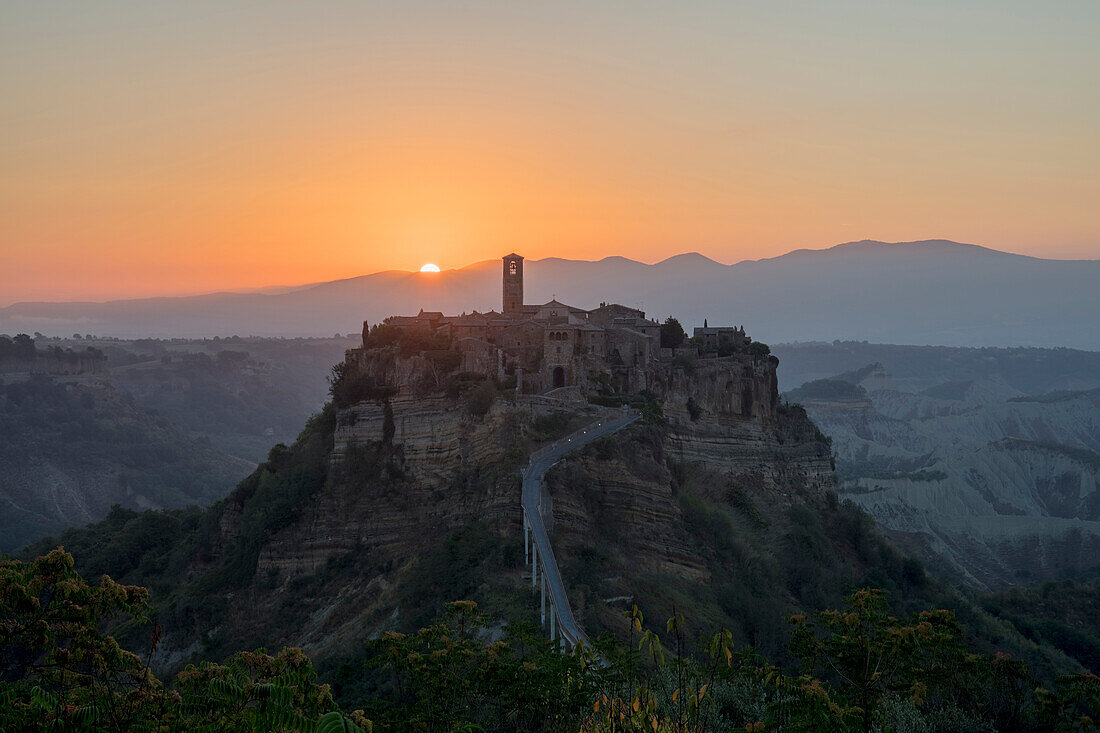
(928, 292)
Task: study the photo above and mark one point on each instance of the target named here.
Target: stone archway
(559, 377)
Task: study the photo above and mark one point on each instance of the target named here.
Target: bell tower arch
(513, 285)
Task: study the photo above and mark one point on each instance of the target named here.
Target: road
(541, 462)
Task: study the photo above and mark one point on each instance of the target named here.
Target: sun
(430, 268)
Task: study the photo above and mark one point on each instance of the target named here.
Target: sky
(178, 148)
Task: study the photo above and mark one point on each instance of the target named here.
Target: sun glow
(430, 268)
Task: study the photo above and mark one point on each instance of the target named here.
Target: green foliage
(415, 341)
(140, 548)
(407, 341)
(60, 671)
(759, 349)
(462, 383)
(381, 335)
(444, 360)
(672, 333)
(20, 348)
(1061, 613)
(349, 386)
(860, 669)
(685, 362)
(271, 497)
(447, 677)
(481, 399)
(826, 389)
(460, 567)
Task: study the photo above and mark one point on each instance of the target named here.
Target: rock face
(391, 499)
(994, 490)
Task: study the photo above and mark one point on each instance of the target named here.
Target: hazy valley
(990, 475)
(144, 424)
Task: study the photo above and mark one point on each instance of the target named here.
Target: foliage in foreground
(859, 669)
(60, 671)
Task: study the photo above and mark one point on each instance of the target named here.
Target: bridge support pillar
(526, 541)
(542, 603)
(534, 567)
(553, 625)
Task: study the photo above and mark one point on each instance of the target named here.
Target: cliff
(987, 486)
(388, 506)
(719, 505)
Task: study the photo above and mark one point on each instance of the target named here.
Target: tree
(57, 665)
(759, 349)
(872, 654)
(672, 333)
(59, 670)
(388, 427)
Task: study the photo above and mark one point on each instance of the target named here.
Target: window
(513, 267)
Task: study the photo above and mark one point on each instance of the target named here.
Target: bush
(349, 386)
(382, 334)
(481, 399)
(444, 360)
(685, 362)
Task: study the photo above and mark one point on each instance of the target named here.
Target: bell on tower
(513, 284)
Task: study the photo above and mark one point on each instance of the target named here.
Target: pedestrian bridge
(545, 576)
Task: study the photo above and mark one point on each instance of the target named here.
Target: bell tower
(513, 285)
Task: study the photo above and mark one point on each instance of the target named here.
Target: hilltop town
(542, 348)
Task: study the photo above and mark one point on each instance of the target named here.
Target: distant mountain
(930, 292)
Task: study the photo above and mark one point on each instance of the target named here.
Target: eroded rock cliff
(393, 504)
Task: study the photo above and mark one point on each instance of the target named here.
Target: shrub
(685, 362)
(481, 399)
(759, 349)
(349, 386)
(693, 409)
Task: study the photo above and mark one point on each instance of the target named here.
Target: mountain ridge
(925, 292)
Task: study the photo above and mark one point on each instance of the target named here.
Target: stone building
(722, 337)
(549, 345)
(554, 345)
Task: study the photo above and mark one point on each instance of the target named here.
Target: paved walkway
(541, 462)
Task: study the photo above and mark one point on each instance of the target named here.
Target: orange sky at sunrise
(176, 149)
